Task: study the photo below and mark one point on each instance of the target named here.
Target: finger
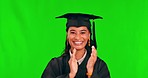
(92, 48)
(94, 52)
(74, 53)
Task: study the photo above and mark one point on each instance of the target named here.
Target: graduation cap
(80, 19)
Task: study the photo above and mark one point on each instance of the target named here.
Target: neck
(79, 53)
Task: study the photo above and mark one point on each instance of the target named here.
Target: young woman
(80, 57)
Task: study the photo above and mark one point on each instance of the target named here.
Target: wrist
(71, 75)
(89, 70)
(89, 74)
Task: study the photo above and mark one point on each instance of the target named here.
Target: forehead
(78, 28)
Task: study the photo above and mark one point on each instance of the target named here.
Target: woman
(80, 57)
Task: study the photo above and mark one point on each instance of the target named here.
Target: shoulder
(57, 60)
(100, 63)
(99, 60)
(55, 64)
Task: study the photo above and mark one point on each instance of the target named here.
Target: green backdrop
(30, 35)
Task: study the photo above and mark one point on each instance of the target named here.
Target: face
(78, 37)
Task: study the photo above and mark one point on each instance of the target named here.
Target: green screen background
(30, 35)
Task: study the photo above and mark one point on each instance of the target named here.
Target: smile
(78, 42)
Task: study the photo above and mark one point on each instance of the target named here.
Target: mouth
(78, 42)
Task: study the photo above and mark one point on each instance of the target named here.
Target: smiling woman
(80, 57)
(78, 37)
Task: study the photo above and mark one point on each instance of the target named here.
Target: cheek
(86, 37)
(69, 38)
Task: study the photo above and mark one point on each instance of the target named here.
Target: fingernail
(92, 47)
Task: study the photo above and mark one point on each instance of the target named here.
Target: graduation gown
(59, 68)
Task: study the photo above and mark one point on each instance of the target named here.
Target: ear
(89, 35)
(66, 34)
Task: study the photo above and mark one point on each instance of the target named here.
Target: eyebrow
(83, 30)
(72, 30)
(80, 30)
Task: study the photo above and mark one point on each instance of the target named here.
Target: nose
(78, 36)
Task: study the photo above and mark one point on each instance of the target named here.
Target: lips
(78, 42)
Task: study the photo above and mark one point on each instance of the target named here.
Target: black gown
(59, 68)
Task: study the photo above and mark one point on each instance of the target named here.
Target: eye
(83, 32)
(72, 32)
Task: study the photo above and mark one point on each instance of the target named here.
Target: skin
(78, 38)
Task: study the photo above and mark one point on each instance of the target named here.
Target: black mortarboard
(79, 19)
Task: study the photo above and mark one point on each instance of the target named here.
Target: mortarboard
(80, 19)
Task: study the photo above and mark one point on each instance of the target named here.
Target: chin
(78, 47)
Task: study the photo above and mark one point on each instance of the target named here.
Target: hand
(73, 65)
(92, 60)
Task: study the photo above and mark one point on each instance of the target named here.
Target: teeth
(78, 42)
